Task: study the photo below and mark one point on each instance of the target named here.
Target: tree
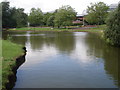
(46, 17)
(12, 17)
(64, 16)
(0, 17)
(112, 34)
(36, 17)
(21, 17)
(18, 17)
(50, 21)
(97, 13)
(5, 14)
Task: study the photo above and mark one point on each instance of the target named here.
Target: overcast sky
(51, 5)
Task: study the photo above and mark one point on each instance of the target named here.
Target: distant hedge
(112, 34)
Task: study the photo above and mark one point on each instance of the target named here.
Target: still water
(66, 60)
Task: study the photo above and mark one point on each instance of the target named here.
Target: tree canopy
(5, 14)
(12, 17)
(64, 16)
(112, 33)
(21, 17)
(97, 13)
(36, 17)
(50, 21)
(46, 17)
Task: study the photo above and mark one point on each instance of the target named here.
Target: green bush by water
(112, 34)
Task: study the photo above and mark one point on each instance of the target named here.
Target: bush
(112, 34)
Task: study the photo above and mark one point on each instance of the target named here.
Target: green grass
(10, 52)
(100, 27)
(36, 29)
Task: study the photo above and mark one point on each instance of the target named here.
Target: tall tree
(5, 14)
(97, 13)
(12, 17)
(112, 34)
(18, 17)
(36, 17)
(21, 17)
(50, 21)
(46, 17)
(64, 16)
(0, 17)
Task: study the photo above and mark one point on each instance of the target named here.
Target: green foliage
(50, 21)
(36, 17)
(64, 16)
(21, 17)
(5, 14)
(46, 17)
(97, 13)
(77, 24)
(12, 17)
(112, 34)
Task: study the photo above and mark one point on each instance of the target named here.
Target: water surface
(66, 60)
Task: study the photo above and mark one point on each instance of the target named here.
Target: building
(79, 19)
(112, 7)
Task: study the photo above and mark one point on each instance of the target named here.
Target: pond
(66, 60)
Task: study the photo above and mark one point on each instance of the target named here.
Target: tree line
(12, 17)
(60, 17)
(16, 17)
(97, 14)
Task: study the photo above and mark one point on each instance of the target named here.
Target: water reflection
(79, 56)
(19, 38)
(98, 48)
(62, 41)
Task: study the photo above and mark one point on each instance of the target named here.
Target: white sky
(51, 5)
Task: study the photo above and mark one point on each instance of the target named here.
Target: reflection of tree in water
(16, 39)
(19, 39)
(63, 41)
(4, 35)
(38, 42)
(110, 55)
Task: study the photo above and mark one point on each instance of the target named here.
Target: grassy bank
(10, 52)
(98, 29)
(70, 29)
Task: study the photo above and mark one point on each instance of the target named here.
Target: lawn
(10, 52)
(70, 28)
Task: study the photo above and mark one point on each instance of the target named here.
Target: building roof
(113, 7)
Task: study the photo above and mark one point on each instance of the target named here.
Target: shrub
(112, 33)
